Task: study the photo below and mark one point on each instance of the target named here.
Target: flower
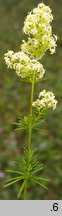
(38, 26)
(7, 58)
(24, 66)
(36, 48)
(46, 100)
(35, 19)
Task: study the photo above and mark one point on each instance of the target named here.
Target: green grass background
(15, 98)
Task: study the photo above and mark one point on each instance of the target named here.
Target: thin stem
(30, 125)
(29, 135)
(25, 191)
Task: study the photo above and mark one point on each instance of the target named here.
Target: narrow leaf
(37, 182)
(21, 189)
(14, 171)
(37, 170)
(12, 182)
(15, 178)
(40, 178)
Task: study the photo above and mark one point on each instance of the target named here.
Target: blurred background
(15, 98)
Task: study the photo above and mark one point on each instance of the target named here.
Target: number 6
(55, 206)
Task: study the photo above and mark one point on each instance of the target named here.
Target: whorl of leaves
(24, 171)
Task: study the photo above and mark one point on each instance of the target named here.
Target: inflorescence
(46, 99)
(38, 27)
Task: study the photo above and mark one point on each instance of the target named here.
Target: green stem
(25, 191)
(30, 125)
(29, 135)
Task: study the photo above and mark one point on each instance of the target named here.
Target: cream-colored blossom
(7, 57)
(36, 47)
(38, 26)
(24, 66)
(46, 100)
(40, 15)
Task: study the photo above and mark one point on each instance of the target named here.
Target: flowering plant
(27, 65)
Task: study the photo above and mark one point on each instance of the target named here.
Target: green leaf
(14, 171)
(15, 178)
(21, 189)
(12, 182)
(37, 170)
(37, 182)
(41, 178)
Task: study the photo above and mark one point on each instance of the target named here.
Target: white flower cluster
(38, 26)
(46, 100)
(8, 57)
(38, 20)
(24, 66)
